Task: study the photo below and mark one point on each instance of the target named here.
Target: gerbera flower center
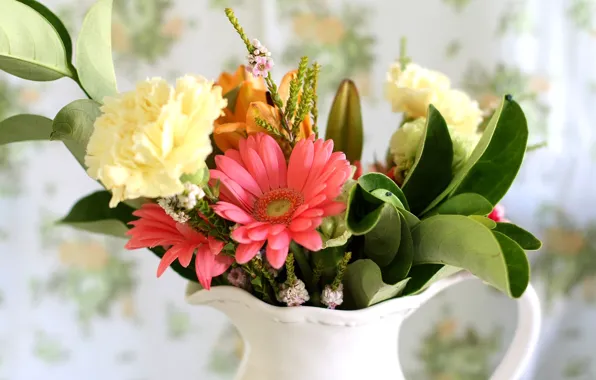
(277, 206)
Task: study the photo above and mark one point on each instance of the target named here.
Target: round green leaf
(488, 223)
(25, 128)
(424, 275)
(94, 52)
(382, 242)
(462, 242)
(30, 47)
(372, 182)
(399, 267)
(364, 286)
(465, 204)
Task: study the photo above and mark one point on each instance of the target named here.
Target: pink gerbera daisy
(156, 228)
(276, 203)
(498, 214)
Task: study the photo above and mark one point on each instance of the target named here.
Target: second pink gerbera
(273, 202)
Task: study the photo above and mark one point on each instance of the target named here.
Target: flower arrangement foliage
(229, 182)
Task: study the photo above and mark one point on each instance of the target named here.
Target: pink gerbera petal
(308, 239)
(277, 257)
(246, 252)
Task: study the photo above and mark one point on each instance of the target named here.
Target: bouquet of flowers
(230, 184)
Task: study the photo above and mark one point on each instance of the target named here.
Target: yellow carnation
(146, 139)
(412, 90)
(459, 110)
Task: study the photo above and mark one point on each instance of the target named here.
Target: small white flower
(293, 295)
(169, 206)
(333, 298)
(238, 278)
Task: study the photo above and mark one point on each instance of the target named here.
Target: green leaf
(344, 125)
(411, 219)
(398, 269)
(522, 237)
(94, 214)
(487, 222)
(431, 172)
(74, 125)
(379, 185)
(464, 243)
(465, 204)
(518, 266)
(188, 272)
(327, 260)
(25, 128)
(495, 170)
(495, 161)
(364, 285)
(424, 275)
(361, 215)
(30, 47)
(94, 52)
(56, 23)
(382, 242)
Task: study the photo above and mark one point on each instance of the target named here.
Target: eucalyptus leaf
(382, 242)
(464, 243)
(94, 52)
(431, 172)
(424, 275)
(25, 127)
(465, 204)
(495, 161)
(363, 283)
(522, 237)
(30, 47)
(56, 23)
(487, 222)
(93, 214)
(399, 267)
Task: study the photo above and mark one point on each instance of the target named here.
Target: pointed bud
(345, 121)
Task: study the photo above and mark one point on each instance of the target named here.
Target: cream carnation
(412, 89)
(459, 110)
(146, 139)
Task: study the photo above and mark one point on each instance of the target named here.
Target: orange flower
(251, 103)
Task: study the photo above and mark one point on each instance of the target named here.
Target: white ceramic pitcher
(308, 343)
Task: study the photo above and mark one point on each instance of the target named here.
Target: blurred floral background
(77, 306)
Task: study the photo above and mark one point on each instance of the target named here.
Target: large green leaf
(344, 125)
(382, 242)
(464, 243)
(431, 172)
(495, 161)
(30, 47)
(399, 267)
(424, 275)
(522, 237)
(364, 286)
(93, 213)
(56, 23)
(25, 128)
(74, 125)
(465, 204)
(94, 52)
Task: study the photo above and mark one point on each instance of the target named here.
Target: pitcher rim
(226, 295)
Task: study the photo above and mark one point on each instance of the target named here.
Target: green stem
(341, 270)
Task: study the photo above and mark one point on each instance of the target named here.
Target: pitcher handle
(518, 357)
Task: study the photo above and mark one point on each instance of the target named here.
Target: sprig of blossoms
(177, 206)
(259, 60)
